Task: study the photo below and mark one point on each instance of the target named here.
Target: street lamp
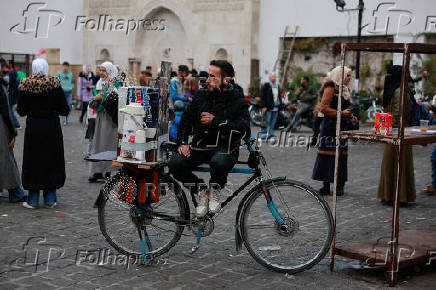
(340, 4)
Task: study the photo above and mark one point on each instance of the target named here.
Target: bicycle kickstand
(144, 243)
(197, 242)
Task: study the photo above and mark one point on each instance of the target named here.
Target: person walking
(106, 131)
(270, 102)
(324, 169)
(85, 88)
(67, 84)
(42, 100)
(10, 176)
(306, 96)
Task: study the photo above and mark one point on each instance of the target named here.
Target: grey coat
(9, 174)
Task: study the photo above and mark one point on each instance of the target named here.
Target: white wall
(317, 18)
(62, 35)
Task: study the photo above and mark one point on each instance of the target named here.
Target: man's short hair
(305, 77)
(227, 70)
(183, 68)
(66, 63)
(194, 72)
(148, 67)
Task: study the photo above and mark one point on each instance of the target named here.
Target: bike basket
(127, 189)
(121, 187)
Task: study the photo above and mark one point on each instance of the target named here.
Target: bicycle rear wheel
(117, 220)
(304, 238)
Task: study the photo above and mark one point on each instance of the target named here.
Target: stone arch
(103, 56)
(170, 44)
(221, 54)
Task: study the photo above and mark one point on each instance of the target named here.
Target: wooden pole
(338, 152)
(394, 258)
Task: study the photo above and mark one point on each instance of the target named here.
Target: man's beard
(213, 88)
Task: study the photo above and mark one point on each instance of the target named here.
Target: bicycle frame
(186, 220)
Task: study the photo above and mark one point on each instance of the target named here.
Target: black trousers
(316, 130)
(220, 162)
(84, 109)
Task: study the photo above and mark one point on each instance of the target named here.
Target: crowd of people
(205, 104)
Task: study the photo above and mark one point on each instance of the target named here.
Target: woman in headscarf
(9, 176)
(325, 161)
(42, 100)
(106, 131)
(85, 88)
(391, 102)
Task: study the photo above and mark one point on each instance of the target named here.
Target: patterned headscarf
(111, 70)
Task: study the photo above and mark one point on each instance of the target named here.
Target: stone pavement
(24, 236)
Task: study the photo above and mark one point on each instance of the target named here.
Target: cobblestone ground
(24, 236)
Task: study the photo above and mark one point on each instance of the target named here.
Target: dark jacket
(4, 110)
(267, 97)
(230, 125)
(306, 95)
(42, 100)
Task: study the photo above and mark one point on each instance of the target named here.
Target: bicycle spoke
(297, 244)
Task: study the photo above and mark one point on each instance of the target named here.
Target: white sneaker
(214, 203)
(202, 206)
(26, 205)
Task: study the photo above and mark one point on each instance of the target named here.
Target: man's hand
(347, 113)
(184, 150)
(12, 143)
(206, 118)
(190, 99)
(263, 109)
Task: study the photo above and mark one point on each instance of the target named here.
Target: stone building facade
(181, 31)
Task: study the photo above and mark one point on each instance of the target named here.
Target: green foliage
(313, 78)
(386, 64)
(309, 43)
(365, 71)
(430, 83)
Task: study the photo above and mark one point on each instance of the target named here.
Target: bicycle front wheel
(117, 220)
(301, 241)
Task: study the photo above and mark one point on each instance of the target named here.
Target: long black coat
(42, 100)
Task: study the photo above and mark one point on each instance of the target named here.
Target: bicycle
(285, 225)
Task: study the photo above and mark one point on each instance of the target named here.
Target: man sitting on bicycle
(219, 119)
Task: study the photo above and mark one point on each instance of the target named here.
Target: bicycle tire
(263, 215)
(129, 229)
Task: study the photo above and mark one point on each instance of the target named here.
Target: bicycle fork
(271, 206)
(144, 239)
